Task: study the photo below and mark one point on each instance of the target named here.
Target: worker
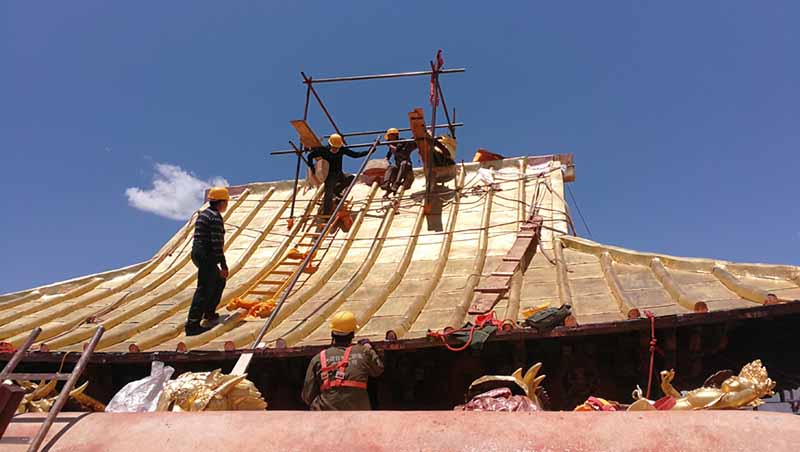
(402, 172)
(336, 378)
(336, 181)
(209, 258)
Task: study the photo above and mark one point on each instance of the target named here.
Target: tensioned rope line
(585, 224)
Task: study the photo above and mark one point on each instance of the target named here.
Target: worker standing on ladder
(336, 378)
(337, 181)
(401, 174)
(209, 257)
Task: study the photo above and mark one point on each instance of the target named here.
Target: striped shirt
(209, 236)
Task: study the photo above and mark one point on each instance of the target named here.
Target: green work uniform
(363, 363)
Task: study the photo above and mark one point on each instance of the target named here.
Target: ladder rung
(260, 292)
(274, 283)
(35, 376)
(282, 272)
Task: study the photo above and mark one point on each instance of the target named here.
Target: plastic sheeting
(500, 399)
(141, 395)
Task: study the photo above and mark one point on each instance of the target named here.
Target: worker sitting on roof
(337, 181)
(445, 151)
(208, 256)
(402, 172)
(336, 379)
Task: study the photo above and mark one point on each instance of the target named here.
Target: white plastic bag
(141, 395)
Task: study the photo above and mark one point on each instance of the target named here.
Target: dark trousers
(334, 187)
(395, 177)
(209, 288)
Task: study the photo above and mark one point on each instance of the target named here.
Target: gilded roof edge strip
(51, 328)
(57, 288)
(515, 293)
(622, 300)
(564, 292)
(695, 264)
(75, 336)
(456, 320)
(12, 324)
(736, 286)
(514, 296)
(521, 198)
(413, 310)
(20, 300)
(674, 290)
(247, 334)
(153, 335)
(397, 276)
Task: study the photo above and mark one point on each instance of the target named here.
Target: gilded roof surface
(397, 269)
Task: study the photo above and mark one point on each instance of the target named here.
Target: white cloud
(176, 194)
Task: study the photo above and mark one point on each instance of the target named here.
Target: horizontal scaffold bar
(379, 76)
(404, 129)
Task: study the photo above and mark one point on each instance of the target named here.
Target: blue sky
(683, 116)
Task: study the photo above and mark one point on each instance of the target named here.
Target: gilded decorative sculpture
(39, 398)
(721, 391)
(516, 392)
(210, 391)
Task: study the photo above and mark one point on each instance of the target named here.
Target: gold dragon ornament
(721, 391)
(210, 391)
(39, 398)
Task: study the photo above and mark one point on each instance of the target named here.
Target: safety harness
(338, 378)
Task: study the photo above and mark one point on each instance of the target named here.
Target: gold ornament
(735, 391)
(210, 391)
(528, 383)
(41, 397)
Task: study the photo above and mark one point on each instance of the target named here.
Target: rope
(574, 201)
(442, 337)
(653, 342)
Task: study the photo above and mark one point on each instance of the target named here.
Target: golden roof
(396, 269)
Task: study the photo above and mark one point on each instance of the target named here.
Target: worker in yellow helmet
(212, 269)
(336, 378)
(337, 181)
(401, 174)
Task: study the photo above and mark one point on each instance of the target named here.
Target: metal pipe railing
(308, 80)
(404, 129)
(360, 145)
(314, 247)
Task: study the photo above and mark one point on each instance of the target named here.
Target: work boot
(212, 317)
(194, 328)
(209, 320)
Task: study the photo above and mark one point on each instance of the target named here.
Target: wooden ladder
(9, 404)
(277, 280)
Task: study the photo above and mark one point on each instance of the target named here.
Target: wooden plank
(308, 139)
(518, 257)
(35, 376)
(10, 397)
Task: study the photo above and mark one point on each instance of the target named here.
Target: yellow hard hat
(335, 140)
(218, 194)
(390, 132)
(343, 323)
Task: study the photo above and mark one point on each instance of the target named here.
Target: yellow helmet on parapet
(391, 131)
(335, 140)
(343, 323)
(218, 194)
